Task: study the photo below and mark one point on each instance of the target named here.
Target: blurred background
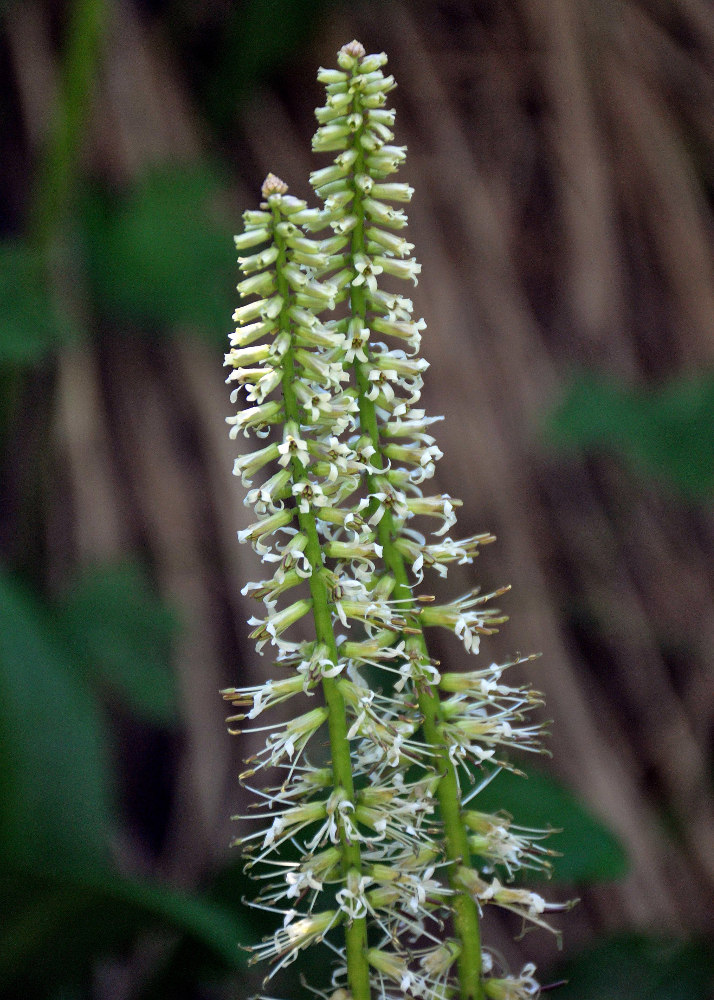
(563, 158)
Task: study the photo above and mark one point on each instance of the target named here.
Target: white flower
(357, 341)
(259, 309)
(384, 215)
(247, 465)
(316, 401)
(495, 839)
(255, 417)
(299, 881)
(288, 740)
(389, 500)
(407, 269)
(327, 373)
(284, 946)
(367, 271)
(293, 446)
(262, 696)
(351, 899)
(309, 495)
(266, 526)
(514, 987)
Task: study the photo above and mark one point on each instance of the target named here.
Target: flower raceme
(395, 864)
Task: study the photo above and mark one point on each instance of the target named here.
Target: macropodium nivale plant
(368, 838)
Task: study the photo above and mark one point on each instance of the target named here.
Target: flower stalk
(384, 830)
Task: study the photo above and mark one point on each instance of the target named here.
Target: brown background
(562, 158)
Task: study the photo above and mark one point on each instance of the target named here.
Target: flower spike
(396, 862)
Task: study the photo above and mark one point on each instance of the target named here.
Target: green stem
(57, 272)
(56, 171)
(355, 930)
(466, 917)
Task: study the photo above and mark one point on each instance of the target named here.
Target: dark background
(563, 158)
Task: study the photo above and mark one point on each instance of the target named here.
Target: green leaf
(61, 907)
(190, 962)
(82, 918)
(117, 626)
(31, 325)
(639, 968)
(256, 40)
(667, 433)
(54, 786)
(590, 852)
(163, 255)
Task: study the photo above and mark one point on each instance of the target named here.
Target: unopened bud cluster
(396, 862)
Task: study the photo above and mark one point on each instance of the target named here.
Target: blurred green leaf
(640, 968)
(163, 254)
(667, 433)
(61, 907)
(256, 40)
(30, 323)
(55, 929)
(54, 787)
(121, 631)
(590, 852)
(190, 962)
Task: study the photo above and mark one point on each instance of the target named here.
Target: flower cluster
(394, 866)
